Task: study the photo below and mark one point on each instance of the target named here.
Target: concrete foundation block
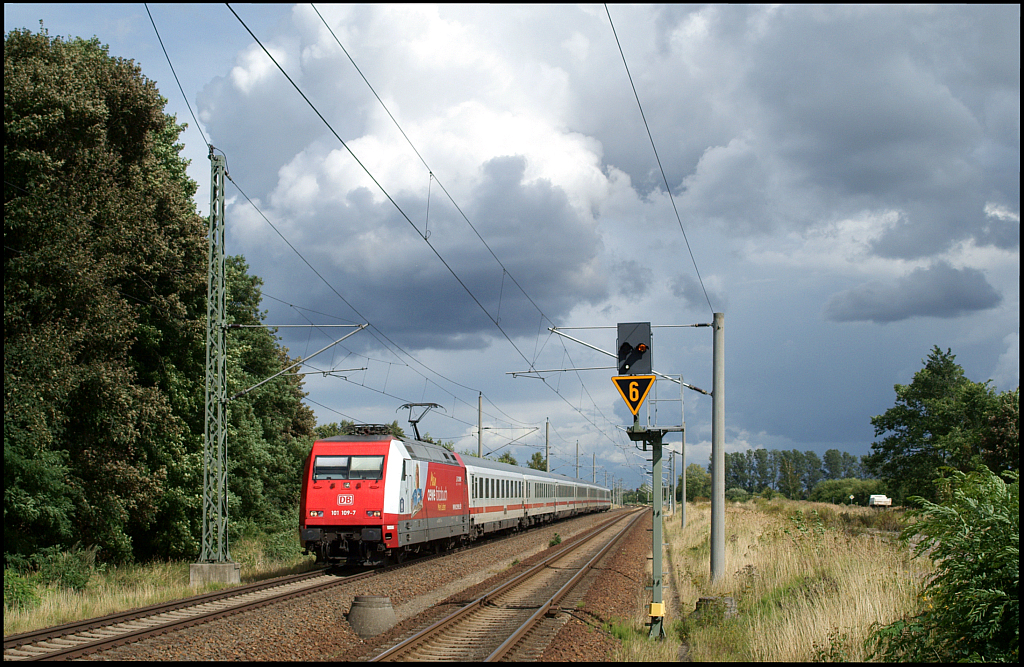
(200, 574)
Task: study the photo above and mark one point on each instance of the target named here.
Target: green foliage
(737, 495)
(698, 482)
(838, 491)
(537, 462)
(1000, 441)
(792, 473)
(104, 324)
(557, 539)
(270, 430)
(937, 424)
(19, 590)
(971, 607)
(507, 457)
(104, 262)
(67, 569)
(836, 649)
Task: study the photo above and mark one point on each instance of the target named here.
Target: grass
(809, 580)
(115, 589)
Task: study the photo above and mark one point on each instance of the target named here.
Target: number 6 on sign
(633, 389)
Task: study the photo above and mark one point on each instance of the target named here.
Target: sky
(843, 184)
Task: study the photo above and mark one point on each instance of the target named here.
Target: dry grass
(806, 588)
(128, 587)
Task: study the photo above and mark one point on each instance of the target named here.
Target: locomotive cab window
(348, 467)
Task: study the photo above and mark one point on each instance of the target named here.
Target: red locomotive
(372, 498)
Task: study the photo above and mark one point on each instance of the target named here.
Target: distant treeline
(791, 473)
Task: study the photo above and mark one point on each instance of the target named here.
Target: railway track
(81, 638)
(495, 625)
(89, 636)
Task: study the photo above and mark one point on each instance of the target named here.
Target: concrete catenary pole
(718, 450)
(480, 425)
(682, 455)
(547, 445)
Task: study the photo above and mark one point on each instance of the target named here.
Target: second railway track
(498, 624)
(82, 638)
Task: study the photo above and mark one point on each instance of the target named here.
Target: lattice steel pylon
(215, 464)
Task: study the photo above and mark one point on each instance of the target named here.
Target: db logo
(345, 498)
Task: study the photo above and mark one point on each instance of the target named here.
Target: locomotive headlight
(315, 513)
(373, 513)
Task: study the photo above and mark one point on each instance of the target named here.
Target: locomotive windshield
(348, 467)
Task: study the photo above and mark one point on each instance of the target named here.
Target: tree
(507, 457)
(970, 609)
(937, 424)
(811, 473)
(104, 294)
(1000, 442)
(104, 323)
(763, 472)
(698, 482)
(537, 462)
(736, 475)
(832, 465)
(790, 468)
(270, 430)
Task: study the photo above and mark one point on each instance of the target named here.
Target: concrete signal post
(634, 383)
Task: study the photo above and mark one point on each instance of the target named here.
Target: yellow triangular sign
(633, 389)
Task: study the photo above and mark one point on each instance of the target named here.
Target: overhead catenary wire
(379, 186)
(375, 331)
(432, 174)
(396, 205)
(434, 178)
(176, 80)
(650, 136)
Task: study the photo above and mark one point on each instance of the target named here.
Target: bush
(19, 591)
(838, 491)
(67, 569)
(971, 607)
(737, 495)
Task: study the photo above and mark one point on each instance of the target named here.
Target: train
(373, 499)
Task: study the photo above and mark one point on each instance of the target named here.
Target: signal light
(634, 348)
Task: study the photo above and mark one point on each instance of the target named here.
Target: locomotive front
(343, 497)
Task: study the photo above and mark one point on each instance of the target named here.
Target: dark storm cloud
(937, 291)
(856, 106)
(632, 278)
(773, 118)
(689, 289)
(396, 281)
